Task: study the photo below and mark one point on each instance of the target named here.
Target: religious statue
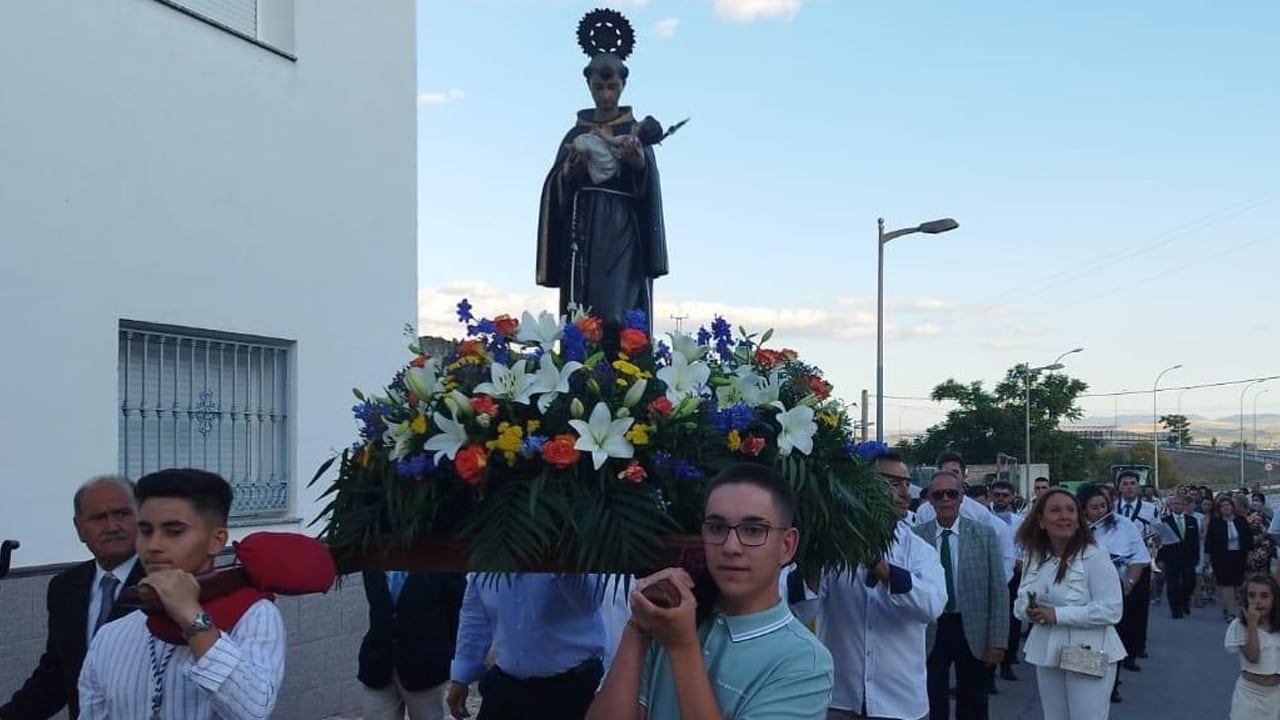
(601, 237)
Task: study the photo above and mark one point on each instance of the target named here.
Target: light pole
(1055, 365)
(1255, 416)
(933, 227)
(1242, 392)
(1155, 425)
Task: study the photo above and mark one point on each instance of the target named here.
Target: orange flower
(471, 348)
(592, 328)
(634, 473)
(752, 445)
(470, 463)
(662, 406)
(484, 405)
(789, 354)
(633, 341)
(506, 325)
(767, 359)
(420, 361)
(560, 452)
(820, 387)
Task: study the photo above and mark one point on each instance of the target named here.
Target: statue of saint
(601, 238)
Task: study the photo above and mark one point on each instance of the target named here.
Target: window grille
(213, 401)
(240, 16)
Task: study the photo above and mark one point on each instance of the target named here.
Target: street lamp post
(1026, 381)
(1155, 425)
(933, 227)
(1242, 393)
(1255, 417)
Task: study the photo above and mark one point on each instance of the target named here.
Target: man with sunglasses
(749, 657)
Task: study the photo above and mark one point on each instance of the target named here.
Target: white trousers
(1072, 696)
(393, 701)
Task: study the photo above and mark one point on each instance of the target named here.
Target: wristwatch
(201, 623)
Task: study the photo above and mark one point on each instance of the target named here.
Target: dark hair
(1035, 540)
(1269, 581)
(1033, 482)
(1088, 492)
(951, 456)
(1128, 473)
(1003, 485)
(208, 493)
(763, 477)
(120, 480)
(977, 491)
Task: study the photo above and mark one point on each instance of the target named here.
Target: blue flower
(661, 459)
(870, 449)
(370, 415)
(738, 417)
(531, 446)
(637, 320)
(603, 374)
(575, 345)
(721, 330)
(704, 336)
(664, 351)
(464, 311)
(414, 465)
(686, 471)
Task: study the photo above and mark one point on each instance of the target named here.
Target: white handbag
(1083, 659)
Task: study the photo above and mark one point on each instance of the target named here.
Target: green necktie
(1181, 530)
(946, 569)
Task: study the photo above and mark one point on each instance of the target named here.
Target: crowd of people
(927, 629)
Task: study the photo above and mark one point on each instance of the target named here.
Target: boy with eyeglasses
(751, 658)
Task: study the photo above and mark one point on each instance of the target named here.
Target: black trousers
(1180, 582)
(1132, 627)
(950, 648)
(1015, 625)
(566, 696)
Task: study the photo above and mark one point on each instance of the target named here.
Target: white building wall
(156, 168)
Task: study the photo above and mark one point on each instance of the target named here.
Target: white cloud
(437, 314)
(439, 98)
(666, 28)
(749, 10)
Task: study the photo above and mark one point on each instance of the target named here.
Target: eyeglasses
(750, 534)
(944, 495)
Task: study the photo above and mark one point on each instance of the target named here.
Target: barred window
(266, 23)
(208, 400)
(238, 15)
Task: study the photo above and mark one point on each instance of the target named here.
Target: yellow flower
(419, 425)
(828, 419)
(638, 435)
(508, 442)
(734, 441)
(620, 382)
(630, 369)
(532, 426)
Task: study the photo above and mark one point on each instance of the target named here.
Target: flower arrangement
(537, 439)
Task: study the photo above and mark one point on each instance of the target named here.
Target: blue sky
(1115, 170)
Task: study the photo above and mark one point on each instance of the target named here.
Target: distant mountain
(1225, 429)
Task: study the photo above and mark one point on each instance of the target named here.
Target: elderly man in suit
(973, 631)
(83, 598)
(1181, 558)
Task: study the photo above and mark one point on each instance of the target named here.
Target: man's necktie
(1128, 511)
(945, 552)
(395, 583)
(1181, 529)
(107, 599)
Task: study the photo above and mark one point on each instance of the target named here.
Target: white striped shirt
(237, 679)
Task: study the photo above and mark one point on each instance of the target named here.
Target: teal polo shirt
(762, 666)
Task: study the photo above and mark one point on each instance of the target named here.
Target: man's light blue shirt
(540, 624)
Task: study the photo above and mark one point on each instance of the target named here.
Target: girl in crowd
(1257, 639)
(1228, 543)
(1070, 594)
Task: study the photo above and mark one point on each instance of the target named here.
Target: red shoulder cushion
(286, 563)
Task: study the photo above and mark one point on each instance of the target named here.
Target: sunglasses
(944, 495)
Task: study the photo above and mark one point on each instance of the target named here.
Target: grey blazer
(983, 595)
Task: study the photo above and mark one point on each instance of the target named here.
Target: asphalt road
(1189, 674)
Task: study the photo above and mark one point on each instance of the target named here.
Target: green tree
(985, 422)
(1180, 426)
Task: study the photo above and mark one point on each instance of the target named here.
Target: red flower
(633, 341)
(752, 445)
(470, 463)
(484, 405)
(820, 387)
(592, 328)
(634, 473)
(662, 406)
(420, 361)
(767, 359)
(560, 452)
(414, 399)
(506, 325)
(471, 348)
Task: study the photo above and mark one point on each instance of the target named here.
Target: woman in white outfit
(1070, 592)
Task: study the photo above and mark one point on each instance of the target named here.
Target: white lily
(549, 381)
(543, 331)
(797, 429)
(683, 379)
(449, 440)
(602, 436)
(759, 390)
(507, 383)
(425, 382)
(635, 393)
(687, 347)
(397, 437)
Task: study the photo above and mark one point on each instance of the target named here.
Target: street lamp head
(933, 227)
(1077, 350)
(1054, 367)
